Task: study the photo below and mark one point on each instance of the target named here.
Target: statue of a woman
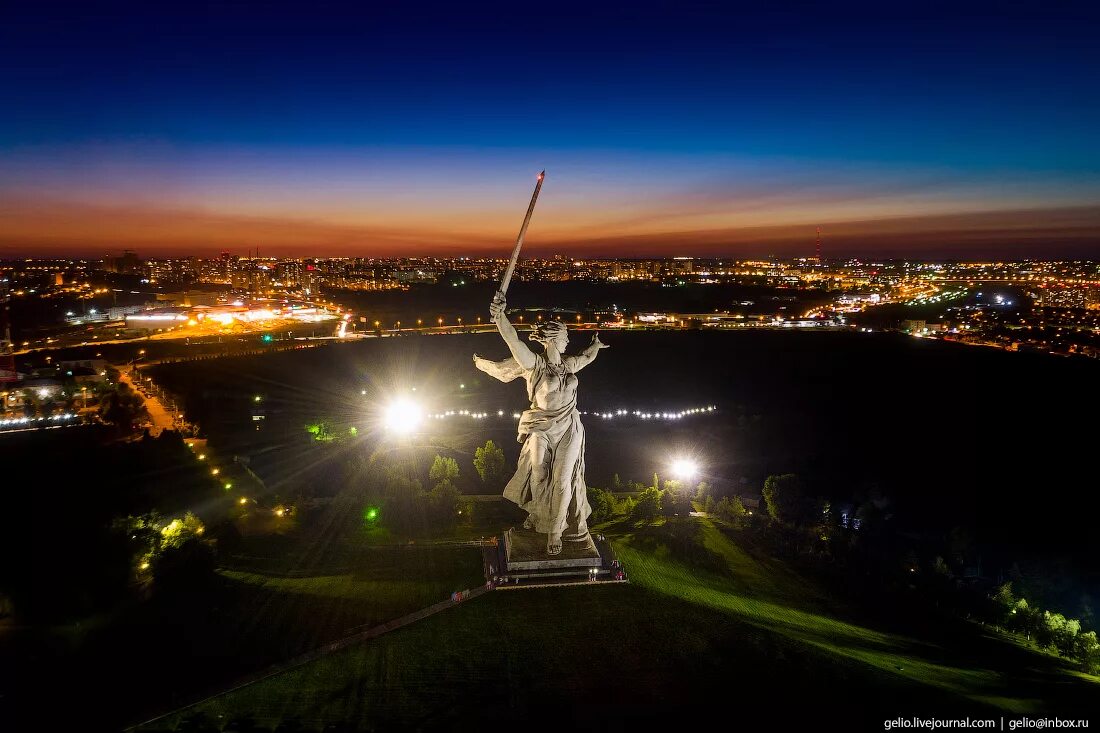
(549, 481)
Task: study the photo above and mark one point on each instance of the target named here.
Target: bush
(603, 504)
(1087, 651)
(730, 510)
(489, 462)
(647, 506)
(443, 469)
(784, 498)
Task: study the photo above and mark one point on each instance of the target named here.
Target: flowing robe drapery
(549, 480)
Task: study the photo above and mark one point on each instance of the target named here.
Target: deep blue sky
(692, 108)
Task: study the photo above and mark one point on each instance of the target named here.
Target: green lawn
(292, 613)
(704, 627)
(978, 666)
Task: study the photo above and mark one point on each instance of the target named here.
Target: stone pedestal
(525, 550)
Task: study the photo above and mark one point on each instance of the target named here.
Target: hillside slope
(705, 628)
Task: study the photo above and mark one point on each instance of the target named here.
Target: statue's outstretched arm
(523, 355)
(586, 357)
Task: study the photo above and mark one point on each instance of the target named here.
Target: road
(160, 416)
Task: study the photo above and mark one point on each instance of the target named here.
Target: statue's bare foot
(527, 523)
(553, 544)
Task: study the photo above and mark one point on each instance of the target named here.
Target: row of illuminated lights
(679, 415)
(213, 471)
(29, 420)
(278, 511)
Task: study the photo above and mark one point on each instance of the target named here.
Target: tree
(401, 503)
(443, 503)
(675, 500)
(1004, 599)
(1024, 619)
(185, 565)
(647, 505)
(603, 505)
(730, 510)
(443, 469)
(323, 432)
(1059, 632)
(784, 498)
(626, 506)
(179, 531)
(489, 462)
(702, 491)
(122, 407)
(1087, 651)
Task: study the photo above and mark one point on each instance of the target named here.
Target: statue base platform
(519, 560)
(526, 550)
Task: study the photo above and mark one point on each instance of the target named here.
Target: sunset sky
(679, 129)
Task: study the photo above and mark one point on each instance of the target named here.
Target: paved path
(161, 417)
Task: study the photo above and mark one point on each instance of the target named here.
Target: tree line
(859, 539)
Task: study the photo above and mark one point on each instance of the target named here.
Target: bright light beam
(684, 469)
(403, 416)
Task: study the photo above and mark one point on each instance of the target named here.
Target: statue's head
(551, 332)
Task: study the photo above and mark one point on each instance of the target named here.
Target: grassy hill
(707, 627)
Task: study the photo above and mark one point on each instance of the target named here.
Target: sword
(504, 281)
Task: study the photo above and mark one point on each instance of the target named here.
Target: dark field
(709, 624)
(953, 435)
(999, 443)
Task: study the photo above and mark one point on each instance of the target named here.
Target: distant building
(188, 298)
(156, 319)
(682, 265)
(1065, 297)
(917, 327)
(854, 298)
(128, 264)
(656, 318)
(85, 371)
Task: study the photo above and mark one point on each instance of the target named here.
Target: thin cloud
(59, 228)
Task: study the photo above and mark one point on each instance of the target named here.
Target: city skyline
(713, 132)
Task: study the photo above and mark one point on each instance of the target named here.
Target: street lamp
(403, 416)
(684, 469)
